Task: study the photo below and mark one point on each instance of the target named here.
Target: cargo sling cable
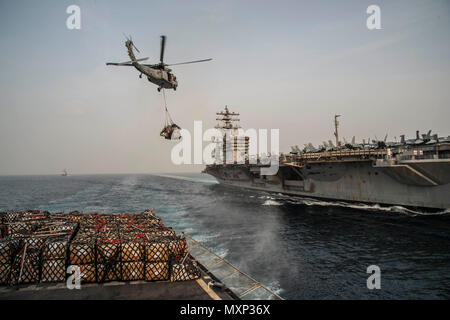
(169, 126)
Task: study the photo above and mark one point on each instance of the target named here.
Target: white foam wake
(272, 203)
(283, 199)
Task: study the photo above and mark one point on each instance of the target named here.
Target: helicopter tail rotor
(132, 43)
(130, 40)
(135, 47)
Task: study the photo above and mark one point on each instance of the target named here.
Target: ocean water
(300, 248)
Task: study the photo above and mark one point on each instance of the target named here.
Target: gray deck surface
(186, 290)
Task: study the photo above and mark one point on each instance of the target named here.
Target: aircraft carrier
(409, 173)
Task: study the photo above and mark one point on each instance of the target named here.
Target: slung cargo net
(37, 246)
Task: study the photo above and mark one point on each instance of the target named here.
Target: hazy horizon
(290, 65)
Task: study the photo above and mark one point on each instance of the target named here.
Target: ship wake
(280, 200)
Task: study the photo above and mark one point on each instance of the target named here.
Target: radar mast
(226, 120)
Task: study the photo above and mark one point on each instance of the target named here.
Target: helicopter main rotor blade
(163, 46)
(125, 63)
(119, 64)
(137, 60)
(143, 59)
(197, 61)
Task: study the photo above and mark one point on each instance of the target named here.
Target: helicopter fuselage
(162, 78)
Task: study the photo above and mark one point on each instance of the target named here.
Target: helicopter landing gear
(159, 89)
(140, 76)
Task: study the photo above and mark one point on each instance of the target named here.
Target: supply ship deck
(411, 173)
(121, 256)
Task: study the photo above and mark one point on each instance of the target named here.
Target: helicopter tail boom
(129, 44)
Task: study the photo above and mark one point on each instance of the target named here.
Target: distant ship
(411, 172)
(64, 173)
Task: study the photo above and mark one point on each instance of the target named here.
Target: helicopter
(158, 73)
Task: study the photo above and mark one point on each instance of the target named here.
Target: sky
(288, 65)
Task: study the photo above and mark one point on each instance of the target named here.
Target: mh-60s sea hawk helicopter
(158, 73)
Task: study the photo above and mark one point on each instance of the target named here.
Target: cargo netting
(37, 246)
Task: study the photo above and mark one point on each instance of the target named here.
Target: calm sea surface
(301, 248)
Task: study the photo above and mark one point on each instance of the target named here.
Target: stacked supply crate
(38, 246)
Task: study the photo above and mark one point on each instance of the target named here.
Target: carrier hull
(411, 173)
(423, 184)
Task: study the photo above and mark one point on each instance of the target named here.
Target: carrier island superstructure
(411, 172)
